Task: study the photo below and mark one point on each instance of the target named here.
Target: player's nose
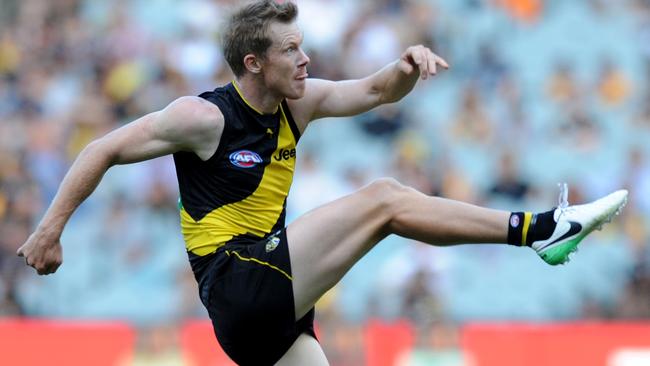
(304, 59)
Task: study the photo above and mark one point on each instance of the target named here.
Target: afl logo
(514, 221)
(245, 159)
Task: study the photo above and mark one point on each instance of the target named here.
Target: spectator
(614, 88)
(509, 183)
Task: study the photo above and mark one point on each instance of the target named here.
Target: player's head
(263, 38)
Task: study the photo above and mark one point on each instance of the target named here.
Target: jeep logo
(285, 154)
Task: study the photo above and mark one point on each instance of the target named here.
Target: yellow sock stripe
(524, 233)
(260, 262)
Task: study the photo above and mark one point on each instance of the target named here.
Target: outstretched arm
(325, 98)
(187, 124)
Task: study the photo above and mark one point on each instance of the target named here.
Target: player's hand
(421, 59)
(42, 252)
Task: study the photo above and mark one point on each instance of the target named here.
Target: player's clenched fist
(422, 59)
(44, 254)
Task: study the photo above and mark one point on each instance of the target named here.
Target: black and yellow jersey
(240, 192)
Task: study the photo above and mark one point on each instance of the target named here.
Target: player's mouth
(302, 77)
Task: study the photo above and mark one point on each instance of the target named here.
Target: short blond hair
(247, 30)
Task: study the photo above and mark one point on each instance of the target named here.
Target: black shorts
(246, 287)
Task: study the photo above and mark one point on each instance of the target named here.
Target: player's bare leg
(326, 242)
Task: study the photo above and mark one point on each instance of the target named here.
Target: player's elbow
(100, 151)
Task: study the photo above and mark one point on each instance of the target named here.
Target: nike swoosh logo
(573, 229)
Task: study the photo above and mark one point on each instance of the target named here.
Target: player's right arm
(187, 124)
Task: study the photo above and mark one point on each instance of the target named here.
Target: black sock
(542, 226)
(526, 227)
(515, 227)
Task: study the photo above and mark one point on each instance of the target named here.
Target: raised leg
(326, 242)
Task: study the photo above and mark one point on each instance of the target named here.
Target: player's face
(285, 64)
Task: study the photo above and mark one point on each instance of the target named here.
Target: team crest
(272, 243)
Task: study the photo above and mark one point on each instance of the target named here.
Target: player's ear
(252, 63)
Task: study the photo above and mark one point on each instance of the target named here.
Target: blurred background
(539, 92)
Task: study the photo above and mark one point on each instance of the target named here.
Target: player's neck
(257, 95)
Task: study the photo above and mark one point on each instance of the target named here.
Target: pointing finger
(441, 61)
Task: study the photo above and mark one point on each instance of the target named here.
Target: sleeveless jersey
(240, 192)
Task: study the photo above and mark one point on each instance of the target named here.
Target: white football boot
(576, 222)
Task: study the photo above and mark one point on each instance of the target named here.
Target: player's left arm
(324, 98)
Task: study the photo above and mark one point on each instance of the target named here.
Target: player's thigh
(326, 242)
(305, 351)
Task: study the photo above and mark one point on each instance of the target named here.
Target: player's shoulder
(193, 110)
(194, 107)
(304, 109)
(316, 90)
(194, 121)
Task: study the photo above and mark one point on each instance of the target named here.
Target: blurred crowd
(539, 92)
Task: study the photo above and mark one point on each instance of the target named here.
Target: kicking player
(235, 149)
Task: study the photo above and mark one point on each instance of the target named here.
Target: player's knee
(386, 192)
(385, 186)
